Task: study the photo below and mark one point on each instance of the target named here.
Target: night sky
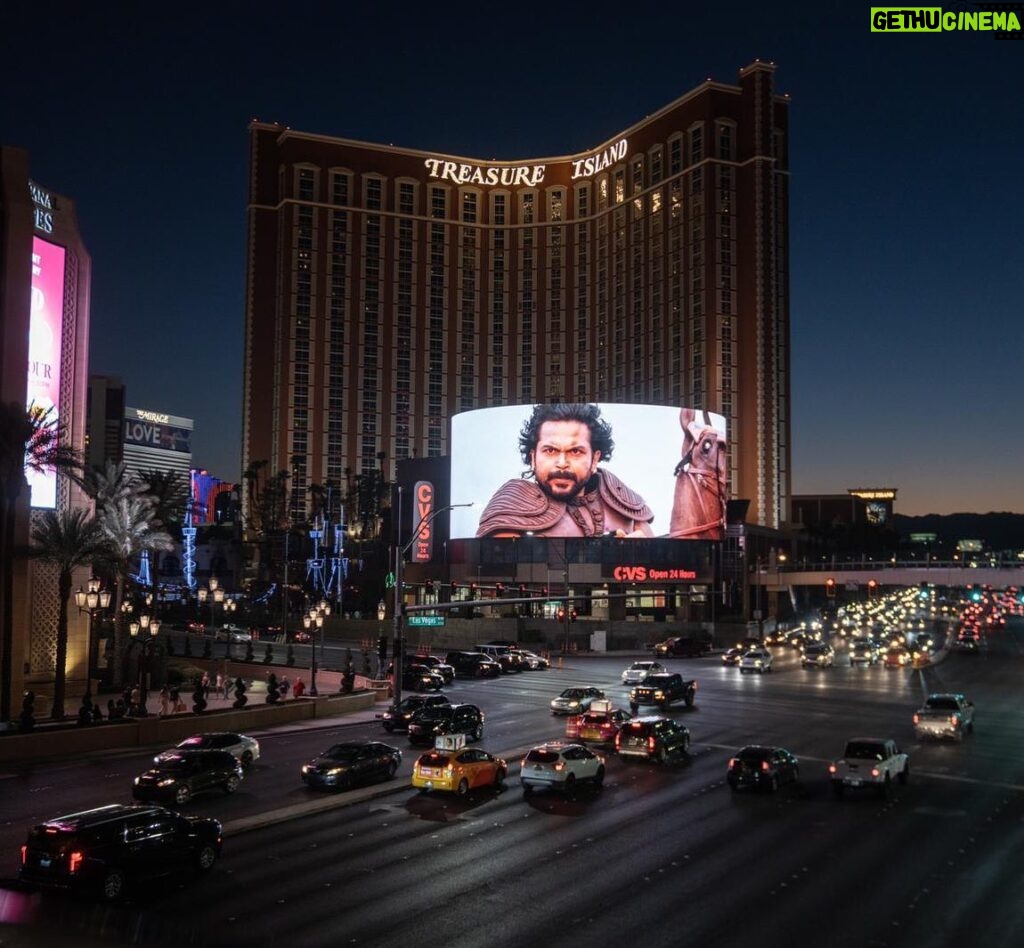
(907, 210)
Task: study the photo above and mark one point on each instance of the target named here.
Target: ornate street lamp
(90, 599)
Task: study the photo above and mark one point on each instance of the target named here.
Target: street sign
(426, 620)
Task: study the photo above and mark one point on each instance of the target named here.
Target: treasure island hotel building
(389, 288)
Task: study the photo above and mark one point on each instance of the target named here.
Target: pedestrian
(135, 701)
(165, 701)
(285, 685)
(111, 710)
(97, 714)
(218, 684)
(227, 686)
(299, 688)
(204, 684)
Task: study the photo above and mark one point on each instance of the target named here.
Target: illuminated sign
(158, 417)
(873, 493)
(164, 437)
(43, 211)
(530, 176)
(663, 473)
(651, 574)
(46, 324)
(423, 547)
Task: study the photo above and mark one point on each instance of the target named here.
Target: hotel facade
(389, 289)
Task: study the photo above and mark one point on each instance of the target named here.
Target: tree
(30, 439)
(66, 539)
(127, 520)
(169, 493)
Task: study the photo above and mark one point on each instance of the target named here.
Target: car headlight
(659, 695)
(334, 771)
(306, 769)
(167, 782)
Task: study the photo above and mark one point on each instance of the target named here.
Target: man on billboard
(565, 493)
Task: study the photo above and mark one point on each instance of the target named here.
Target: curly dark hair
(589, 415)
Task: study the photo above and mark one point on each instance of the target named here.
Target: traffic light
(543, 590)
(830, 588)
(522, 589)
(561, 614)
(429, 587)
(472, 590)
(455, 586)
(572, 614)
(872, 586)
(499, 590)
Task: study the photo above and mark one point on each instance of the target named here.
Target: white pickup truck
(869, 762)
(944, 715)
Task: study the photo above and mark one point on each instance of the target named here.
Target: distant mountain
(999, 531)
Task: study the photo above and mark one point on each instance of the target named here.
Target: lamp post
(400, 551)
(95, 598)
(144, 631)
(313, 622)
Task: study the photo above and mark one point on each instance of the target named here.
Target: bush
(268, 655)
(208, 648)
(181, 673)
(290, 660)
(250, 656)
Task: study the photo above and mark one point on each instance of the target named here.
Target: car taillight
(75, 861)
(449, 770)
(954, 719)
(24, 854)
(917, 718)
(831, 768)
(733, 762)
(560, 765)
(764, 765)
(650, 743)
(875, 772)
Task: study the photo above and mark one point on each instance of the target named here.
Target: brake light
(732, 762)
(560, 765)
(24, 854)
(831, 768)
(954, 719)
(75, 861)
(764, 765)
(650, 743)
(917, 718)
(875, 772)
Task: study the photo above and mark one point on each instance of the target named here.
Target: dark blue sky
(906, 201)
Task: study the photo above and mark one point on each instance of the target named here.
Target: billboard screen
(588, 469)
(46, 324)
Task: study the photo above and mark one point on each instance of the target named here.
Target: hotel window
(583, 200)
(725, 140)
(555, 209)
(437, 202)
(339, 187)
(656, 169)
(498, 209)
(696, 136)
(620, 186)
(304, 238)
(602, 193)
(468, 208)
(527, 209)
(675, 155)
(637, 174)
(373, 194)
(406, 198)
(307, 179)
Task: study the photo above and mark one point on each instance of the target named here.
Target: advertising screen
(589, 470)
(44, 350)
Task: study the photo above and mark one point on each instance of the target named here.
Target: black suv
(465, 719)
(417, 677)
(663, 689)
(179, 775)
(684, 646)
(407, 707)
(473, 664)
(101, 850)
(651, 738)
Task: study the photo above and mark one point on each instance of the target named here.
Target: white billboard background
(485, 454)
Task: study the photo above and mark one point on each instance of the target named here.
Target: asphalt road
(666, 855)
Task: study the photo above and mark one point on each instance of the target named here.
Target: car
(397, 719)
(757, 765)
(195, 627)
(732, 656)
(181, 775)
(575, 700)
(638, 671)
(416, 677)
(473, 665)
(232, 633)
(863, 652)
(818, 655)
(446, 671)
(897, 656)
(300, 635)
(532, 660)
(428, 723)
(458, 770)
(944, 715)
(756, 660)
(599, 725)
(684, 646)
(653, 738)
(663, 689)
(869, 762)
(104, 850)
(561, 766)
(245, 748)
(343, 766)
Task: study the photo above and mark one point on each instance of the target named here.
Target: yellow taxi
(456, 768)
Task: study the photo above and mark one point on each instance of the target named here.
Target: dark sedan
(180, 775)
(343, 766)
(759, 766)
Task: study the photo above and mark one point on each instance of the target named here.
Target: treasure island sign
(528, 175)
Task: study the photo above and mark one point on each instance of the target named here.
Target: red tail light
(875, 772)
(764, 766)
(733, 762)
(917, 718)
(650, 743)
(831, 768)
(954, 719)
(24, 854)
(75, 861)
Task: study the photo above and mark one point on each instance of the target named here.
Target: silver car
(756, 660)
(575, 700)
(244, 748)
(561, 766)
(638, 671)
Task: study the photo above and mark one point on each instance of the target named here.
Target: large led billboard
(587, 469)
(46, 324)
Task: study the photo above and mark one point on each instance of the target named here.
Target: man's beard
(563, 497)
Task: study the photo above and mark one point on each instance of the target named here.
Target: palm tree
(126, 517)
(68, 539)
(30, 438)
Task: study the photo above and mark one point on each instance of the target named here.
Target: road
(668, 854)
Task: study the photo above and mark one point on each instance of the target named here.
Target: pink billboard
(44, 345)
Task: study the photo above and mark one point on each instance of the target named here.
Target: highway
(663, 854)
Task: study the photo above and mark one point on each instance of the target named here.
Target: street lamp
(400, 551)
(95, 598)
(139, 629)
(313, 622)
